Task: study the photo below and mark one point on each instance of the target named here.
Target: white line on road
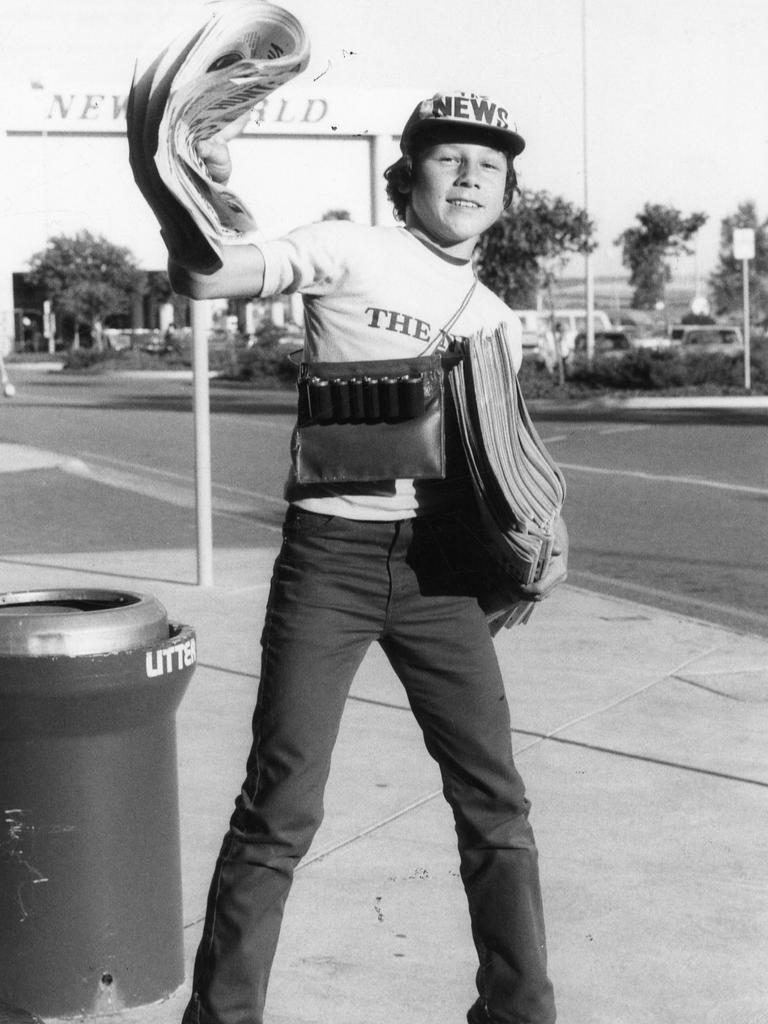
(165, 485)
(142, 470)
(625, 428)
(695, 481)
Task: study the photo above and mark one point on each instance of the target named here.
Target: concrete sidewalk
(641, 736)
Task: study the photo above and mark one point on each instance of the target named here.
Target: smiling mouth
(465, 204)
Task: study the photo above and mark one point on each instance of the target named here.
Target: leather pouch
(372, 420)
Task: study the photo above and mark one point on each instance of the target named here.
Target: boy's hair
(399, 176)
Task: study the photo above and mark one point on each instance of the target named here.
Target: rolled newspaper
(230, 57)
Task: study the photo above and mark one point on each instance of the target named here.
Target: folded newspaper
(233, 54)
(519, 487)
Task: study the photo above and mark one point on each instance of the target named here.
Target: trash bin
(90, 877)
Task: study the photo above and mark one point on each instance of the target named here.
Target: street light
(589, 279)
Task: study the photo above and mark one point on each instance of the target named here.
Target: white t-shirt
(378, 293)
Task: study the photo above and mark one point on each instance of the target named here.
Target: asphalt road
(666, 508)
(670, 510)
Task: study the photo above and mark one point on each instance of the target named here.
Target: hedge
(270, 363)
(644, 370)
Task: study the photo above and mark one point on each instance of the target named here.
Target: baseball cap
(468, 109)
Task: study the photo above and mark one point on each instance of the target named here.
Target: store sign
(84, 110)
(286, 112)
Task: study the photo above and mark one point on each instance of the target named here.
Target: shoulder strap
(449, 324)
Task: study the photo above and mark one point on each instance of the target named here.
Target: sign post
(49, 326)
(744, 250)
(202, 419)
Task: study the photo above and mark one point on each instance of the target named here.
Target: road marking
(625, 428)
(173, 488)
(695, 481)
(17, 458)
(141, 469)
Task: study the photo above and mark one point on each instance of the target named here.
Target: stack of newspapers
(519, 487)
(231, 56)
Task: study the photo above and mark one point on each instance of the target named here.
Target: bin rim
(49, 622)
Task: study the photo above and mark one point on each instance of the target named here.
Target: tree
(530, 244)
(662, 233)
(726, 282)
(86, 277)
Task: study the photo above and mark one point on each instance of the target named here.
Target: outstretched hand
(214, 151)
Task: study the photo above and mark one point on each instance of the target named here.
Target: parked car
(540, 327)
(117, 340)
(648, 338)
(641, 319)
(619, 341)
(122, 339)
(571, 322)
(613, 344)
(155, 343)
(534, 333)
(707, 338)
(608, 344)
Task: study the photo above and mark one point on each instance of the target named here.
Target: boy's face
(457, 194)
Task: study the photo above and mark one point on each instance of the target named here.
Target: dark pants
(338, 585)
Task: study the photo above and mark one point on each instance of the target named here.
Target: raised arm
(242, 273)
(241, 276)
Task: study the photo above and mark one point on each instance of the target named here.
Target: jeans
(338, 585)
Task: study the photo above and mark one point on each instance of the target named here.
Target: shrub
(671, 370)
(759, 366)
(537, 382)
(715, 369)
(32, 357)
(268, 363)
(91, 359)
(630, 371)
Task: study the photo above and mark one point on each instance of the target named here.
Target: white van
(572, 322)
(539, 326)
(534, 331)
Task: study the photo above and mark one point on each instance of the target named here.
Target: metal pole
(5, 381)
(377, 165)
(202, 444)
(589, 278)
(747, 367)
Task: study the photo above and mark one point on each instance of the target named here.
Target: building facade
(65, 156)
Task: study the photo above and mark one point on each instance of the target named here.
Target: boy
(394, 561)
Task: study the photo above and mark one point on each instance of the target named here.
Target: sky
(676, 90)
